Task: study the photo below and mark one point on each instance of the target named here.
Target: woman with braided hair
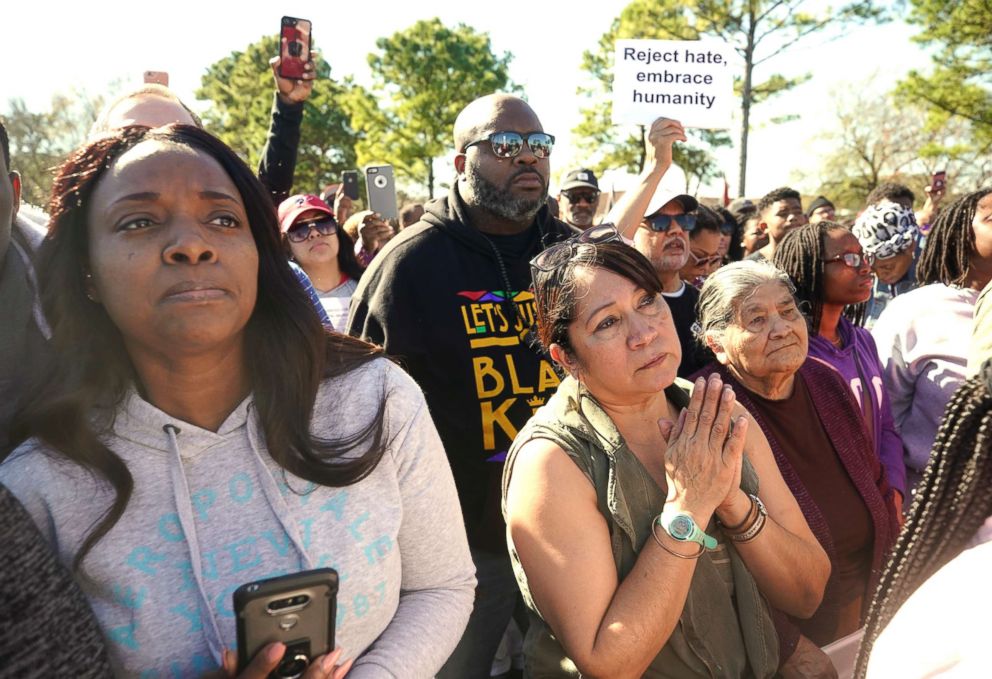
(923, 335)
(921, 624)
(833, 279)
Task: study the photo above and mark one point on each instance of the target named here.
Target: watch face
(681, 527)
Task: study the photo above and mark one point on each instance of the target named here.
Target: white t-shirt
(337, 301)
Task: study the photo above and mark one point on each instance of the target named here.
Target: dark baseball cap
(580, 179)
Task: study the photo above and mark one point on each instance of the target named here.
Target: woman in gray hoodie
(201, 430)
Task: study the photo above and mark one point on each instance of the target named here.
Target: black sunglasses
(662, 223)
(562, 252)
(300, 231)
(590, 197)
(510, 144)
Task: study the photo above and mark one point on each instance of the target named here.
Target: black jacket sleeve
(278, 162)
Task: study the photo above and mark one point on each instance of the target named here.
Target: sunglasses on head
(727, 228)
(300, 231)
(853, 259)
(510, 144)
(662, 223)
(576, 197)
(562, 252)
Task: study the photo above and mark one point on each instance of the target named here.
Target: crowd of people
(650, 437)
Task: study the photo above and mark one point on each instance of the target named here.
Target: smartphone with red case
(294, 46)
(157, 78)
(938, 182)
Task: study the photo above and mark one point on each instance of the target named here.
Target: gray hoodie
(211, 511)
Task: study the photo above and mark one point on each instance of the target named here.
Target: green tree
(39, 142)
(421, 78)
(240, 88)
(757, 29)
(960, 84)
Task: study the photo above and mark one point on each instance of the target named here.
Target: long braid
(800, 255)
(951, 242)
(951, 503)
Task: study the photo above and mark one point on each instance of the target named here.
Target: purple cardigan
(846, 429)
(858, 358)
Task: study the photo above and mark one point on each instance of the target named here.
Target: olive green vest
(725, 629)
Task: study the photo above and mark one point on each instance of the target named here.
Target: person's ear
(15, 199)
(460, 163)
(716, 346)
(563, 358)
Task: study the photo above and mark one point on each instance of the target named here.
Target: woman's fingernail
(275, 652)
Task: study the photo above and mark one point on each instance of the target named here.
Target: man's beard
(670, 259)
(501, 201)
(581, 216)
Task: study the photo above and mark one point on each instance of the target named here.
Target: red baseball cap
(294, 206)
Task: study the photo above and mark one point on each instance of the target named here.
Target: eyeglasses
(705, 261)
(562, 252)
(510, 144)
(662, 223)
(299, 232)
(576, 197)
(853, 259)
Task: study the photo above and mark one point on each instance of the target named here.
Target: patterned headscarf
(886, 229)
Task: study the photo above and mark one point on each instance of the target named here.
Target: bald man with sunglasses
(658, 221)
(450, 298)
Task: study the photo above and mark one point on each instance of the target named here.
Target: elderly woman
(647, 525)
(201, 430)
(750, 320)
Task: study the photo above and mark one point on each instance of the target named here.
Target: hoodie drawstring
(184, 509)
(274, 496)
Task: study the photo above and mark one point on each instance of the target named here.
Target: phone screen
(294, 47)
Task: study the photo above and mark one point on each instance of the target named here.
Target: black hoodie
(433, 298)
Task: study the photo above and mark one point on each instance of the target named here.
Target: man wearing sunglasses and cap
(657, 221)
(450, 298)
(579, 198)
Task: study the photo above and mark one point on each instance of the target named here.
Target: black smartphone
(294, 46)
(381, 190)
(298, 610)
(349, 178)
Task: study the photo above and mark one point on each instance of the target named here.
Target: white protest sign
(688, 80)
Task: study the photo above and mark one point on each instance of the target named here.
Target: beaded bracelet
(752, 532)
(654, 534)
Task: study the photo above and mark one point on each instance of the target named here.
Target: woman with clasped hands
(647, 527)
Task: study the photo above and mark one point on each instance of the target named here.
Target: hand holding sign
(663, 133)
(686, 80)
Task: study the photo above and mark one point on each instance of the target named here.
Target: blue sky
(91, 45)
